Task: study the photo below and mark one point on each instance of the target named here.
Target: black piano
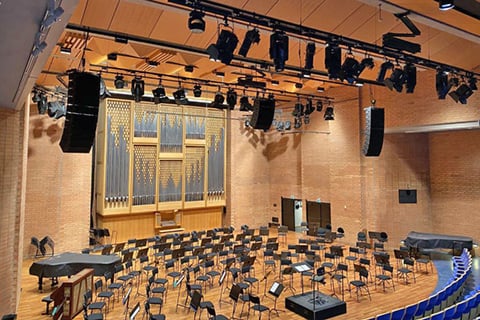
(67, 264)
(422, 240)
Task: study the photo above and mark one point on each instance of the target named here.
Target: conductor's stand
(318, 278)
(276, 290)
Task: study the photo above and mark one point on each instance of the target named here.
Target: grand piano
(422, 240)
(68, 264)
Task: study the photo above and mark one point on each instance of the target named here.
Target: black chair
(386, 277)
(11, 316)
(153, 300)
(47, 241)
(150, 315)
(406, 270)
(255, 300)
(92, 316)
(361, 237)
(340, 232)
(361, 283)
(113, 286)
(105, 296)
(339, 276)
(93, 307)
(212, 314)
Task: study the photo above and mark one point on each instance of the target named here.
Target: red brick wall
(12, 165)
(58, 189)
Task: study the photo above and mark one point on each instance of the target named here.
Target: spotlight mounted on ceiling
(396, 80)
(251, 36)
(218, 100)
(223, 49)
(119, 82)
(159, 94)
(329, 113)
(197, 91)
(333, 60)
(445, 5)
(279, 49)
(231, 98)
(319, 106)
(461, 94)
(138, 88)
(411, 77)
(196, 24)
(384, 67)
(366, 62)
(349, 70)
(180, 96)
(41, 100)
(442, 84)
(56, 109)
(245, 105)
(309, 55)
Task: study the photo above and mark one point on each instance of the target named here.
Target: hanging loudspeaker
(82, 112)
(263, 112)
(374, 132)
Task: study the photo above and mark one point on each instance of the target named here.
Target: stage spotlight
(104, 93)
(365, 63)
(138, 88)
(298, 109)
(231, 98)
(288, 125)
(197, 91)
(411, 77)
(180, 96)
(42, 103)
(349, 70)
(218, 101)
(396, 80)
(252, 36)
(245, 105)
(159, 95)
(384, 67)
(298, 123)
(309, 55)
(333, 60)
(442, 85)
(119, 82)
(306, 119)
(223, 49)
(329, 115)
(462, 93)
(280, 126)
(309, 108)
(196, 24)
(279, 49)
(319, 105)
(472, 83)
(56, 109)
(445, 5)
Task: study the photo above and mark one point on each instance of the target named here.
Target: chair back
(253, 299)
(195, 301)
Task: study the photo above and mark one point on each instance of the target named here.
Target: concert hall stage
(322, 307)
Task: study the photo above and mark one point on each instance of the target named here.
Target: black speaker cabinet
(82, 112)
(263, 112)
(374, 132)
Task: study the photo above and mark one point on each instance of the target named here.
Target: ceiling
(160, 33)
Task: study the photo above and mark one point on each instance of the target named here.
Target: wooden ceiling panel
(171, 27)
(99, 14)
(354, 22)
(77, 15)
(293, 11)
(135, 19)
(328, 16)
(460, 53)
(261, 7)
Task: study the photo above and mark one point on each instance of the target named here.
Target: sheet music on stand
(301, 267)
(222, 277)
(134, 311)
(276, 289)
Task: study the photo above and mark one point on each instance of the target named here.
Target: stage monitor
(407, 196)
(134, 311)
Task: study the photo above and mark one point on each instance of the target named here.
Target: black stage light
(319, 105)
(288, 125)
(196, 24)
(442, 85)
(159, 95)
(365, 63)
(252, 36)
(298, 123)
(462, 93)
(309, 55)
(223, 49)
(445, 5)
(104, 93)
(279, 49)
(56, 109)
(218, 101)
(384, 67)
(180, 96)
(298, 109)
(35, 96)
(42, 103)
(309, 108)
(411, 77)
(138, 88)
(306, 119)
(245, 105)
(349, 70)
(329, 115)
(119, 82)
(231, 98)
(333, 60)
(472, 83)
(197, 91)
(396, 80)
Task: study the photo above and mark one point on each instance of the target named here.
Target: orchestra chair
(425, 260)
(386, 277)
(304, 228)
(47, 241)
(153, 300)
(113, 286)
(93, 307)
(361, 236)
(406, 270)
(361, 283)
(150, 315)
(255, 300)
(282, 232)
(170, 264)
(36, 244)
(212, 314)
(160, 281)
(353, 253)
(103, 295)
(161, 290)
(47, 300)
(339, 276)
(86, 315)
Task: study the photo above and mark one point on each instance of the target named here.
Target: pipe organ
(154, 158)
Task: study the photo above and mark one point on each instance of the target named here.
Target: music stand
(318, 278)
(125, 301)
(134, 311)
(289, 272)
(272, 246)
(301, 267)
(265, 278)
(178, 283)
(276, 290)
(235, 292)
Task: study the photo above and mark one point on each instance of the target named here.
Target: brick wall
(58, 189)
(12, 165)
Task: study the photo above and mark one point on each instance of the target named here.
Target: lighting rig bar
(301, 31)
(117, 36)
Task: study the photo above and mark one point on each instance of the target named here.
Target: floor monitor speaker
(82, 112)
(263, 112)
(374, 131)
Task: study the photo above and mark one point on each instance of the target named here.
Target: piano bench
(47, 301)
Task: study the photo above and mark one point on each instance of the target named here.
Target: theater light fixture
(446, 4)
(319, 105)
(288, 125)
(461, 94)
(180, 96)
(309, 55)
(349, 70)
(197, 91)
(384, 67)
(411, 77)
(218, 100)
(297, 123)
(442, 85)
(196, 24)
(159, 94)
(53, 15)
(472, 83)
(119, 82)
(245, 105)
(138, 88)
(56, 109)
(329, 114)
(279, 49)
(365, 63)
(251, 36)
(333, 60)
(309, 108)
(223, 49)
(41, 100)
(231, 98)
(396, 80)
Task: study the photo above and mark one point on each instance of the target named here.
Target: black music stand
(319, 277)
(126, 300)
(224, 278)
(178, 283)
(276, 290)
(301, 267)
(288, 271)
(134, 311)
(265, 278)
(234, 294)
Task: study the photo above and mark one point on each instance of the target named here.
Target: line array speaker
(82, 112)
(263, 112)
(374, 131)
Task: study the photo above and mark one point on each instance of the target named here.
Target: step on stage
(315, 305)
